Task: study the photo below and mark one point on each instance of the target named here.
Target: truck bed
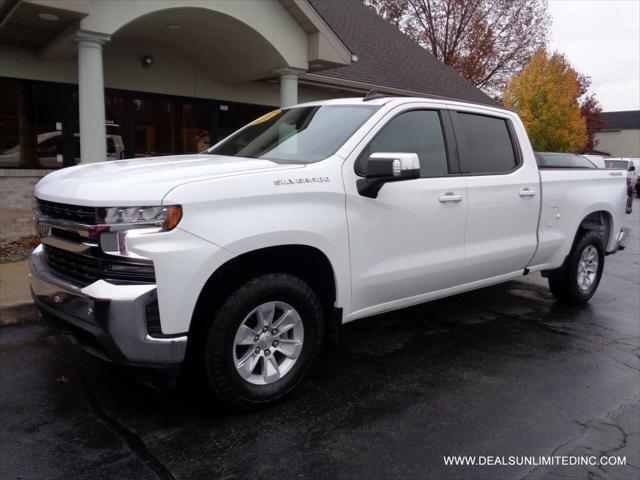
(568, 196)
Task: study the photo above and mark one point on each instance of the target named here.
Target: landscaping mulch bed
(17, 250)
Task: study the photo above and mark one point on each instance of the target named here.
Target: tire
(565, 283)
(248, 307)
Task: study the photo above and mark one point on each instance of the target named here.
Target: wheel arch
(600, 221)
(306, 262)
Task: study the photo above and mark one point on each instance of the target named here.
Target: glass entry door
(170, 127)
(153, 127)
(192, 122)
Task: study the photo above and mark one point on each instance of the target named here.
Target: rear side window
(563, 160)
(416, 131)
(487, 145)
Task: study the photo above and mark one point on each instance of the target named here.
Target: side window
(417, 131)
(487, 144)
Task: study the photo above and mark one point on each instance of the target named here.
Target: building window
(232, 116)
(33, 125)
(39, 125)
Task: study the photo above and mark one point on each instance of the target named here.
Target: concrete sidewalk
(15, 296)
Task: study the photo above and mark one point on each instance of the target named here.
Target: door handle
(450, 197)
(526, 192)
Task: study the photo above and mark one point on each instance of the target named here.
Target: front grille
(79, 268)
(85, 269)
(72, 213)
(71, 235)
(93, 264)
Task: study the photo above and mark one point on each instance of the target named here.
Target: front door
(409, 241)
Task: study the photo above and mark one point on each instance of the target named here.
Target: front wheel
(578, 279)
(263, 340)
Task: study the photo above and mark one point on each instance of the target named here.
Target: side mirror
(383, 167)
(632, 168)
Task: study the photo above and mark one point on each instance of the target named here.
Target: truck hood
(143, 181)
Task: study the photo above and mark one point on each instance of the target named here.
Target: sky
(601, 39)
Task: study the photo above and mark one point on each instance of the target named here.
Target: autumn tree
(486, 41)
(545, 95)
(590, 110)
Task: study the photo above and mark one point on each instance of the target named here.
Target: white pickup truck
(242, 258)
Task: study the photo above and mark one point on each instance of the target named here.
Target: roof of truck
(385, 100)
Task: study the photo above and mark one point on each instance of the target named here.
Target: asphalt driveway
(501, 371)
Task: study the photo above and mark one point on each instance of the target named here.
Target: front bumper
(104, 319)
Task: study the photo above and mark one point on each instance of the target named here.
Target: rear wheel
(263, 340)
(578, 279)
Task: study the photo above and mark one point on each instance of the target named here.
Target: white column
(93, 134)
(288, 86)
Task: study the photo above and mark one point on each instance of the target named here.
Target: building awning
(244, 41)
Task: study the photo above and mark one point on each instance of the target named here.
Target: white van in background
(636, 169)
(626, 164)
(618, 163)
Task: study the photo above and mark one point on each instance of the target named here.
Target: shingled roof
(389, 58)
(626, 120)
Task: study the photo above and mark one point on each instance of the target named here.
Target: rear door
(503, 195)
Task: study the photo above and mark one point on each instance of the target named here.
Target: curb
(16, 314)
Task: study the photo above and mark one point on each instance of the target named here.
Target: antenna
(372, 95)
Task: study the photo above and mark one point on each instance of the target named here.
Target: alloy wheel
(587, 267)
(268, 343)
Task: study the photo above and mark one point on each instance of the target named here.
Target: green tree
(546, 96)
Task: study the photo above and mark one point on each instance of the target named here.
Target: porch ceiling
(240, 40)
(228, 49)
(22, 24)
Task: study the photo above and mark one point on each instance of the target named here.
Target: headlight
(116, 224)
(164, 218)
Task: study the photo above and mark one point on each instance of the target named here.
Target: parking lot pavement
(501, 371)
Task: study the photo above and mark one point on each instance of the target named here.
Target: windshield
(300, 134)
